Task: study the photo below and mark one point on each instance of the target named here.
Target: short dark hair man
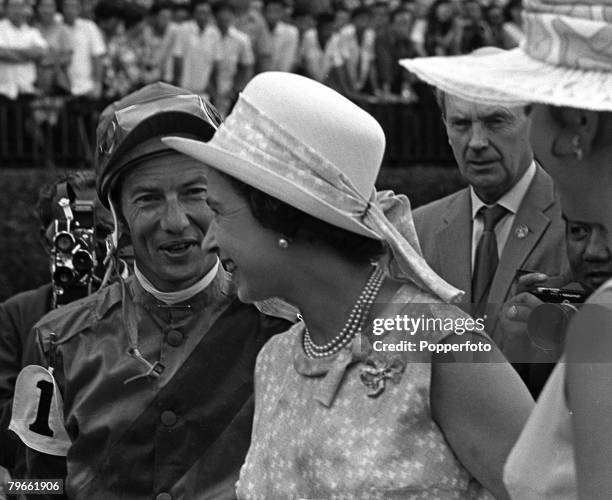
(155, 372)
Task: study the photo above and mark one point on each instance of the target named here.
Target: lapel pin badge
(522, 231)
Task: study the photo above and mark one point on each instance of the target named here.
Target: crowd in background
(54, 50)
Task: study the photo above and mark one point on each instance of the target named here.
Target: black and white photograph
(305, 249)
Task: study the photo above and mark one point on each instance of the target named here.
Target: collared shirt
(285, 40)
(180, 295)
(253, 24)
(357, 57)
(87, 44)
(198, 49)
(163, 49)
(234, 50)
(319, 61)
(18, 78)
(511, 200)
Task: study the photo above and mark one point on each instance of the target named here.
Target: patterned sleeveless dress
(317, 434)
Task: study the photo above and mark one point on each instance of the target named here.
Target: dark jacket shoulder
(67, 321)
(24, 309)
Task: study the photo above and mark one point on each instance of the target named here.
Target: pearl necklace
(354, 324)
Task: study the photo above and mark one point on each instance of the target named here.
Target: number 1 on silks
(38, 412)
(41, 424)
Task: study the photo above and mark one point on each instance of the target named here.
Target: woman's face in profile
(247, 250)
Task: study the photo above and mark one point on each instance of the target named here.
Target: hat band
(570, 35)
(251, 135)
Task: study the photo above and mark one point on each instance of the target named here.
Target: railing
(47, 132)
(415, 133)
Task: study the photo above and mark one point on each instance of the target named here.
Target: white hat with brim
(282, 120)
(268, 181)
(308, 146)
(564, 60)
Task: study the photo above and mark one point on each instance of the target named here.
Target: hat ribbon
(251, 135)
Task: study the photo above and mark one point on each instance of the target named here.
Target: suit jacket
(444, 228)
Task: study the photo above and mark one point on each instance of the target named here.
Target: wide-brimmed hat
(564, 60)
(130, 130)
(306, 145)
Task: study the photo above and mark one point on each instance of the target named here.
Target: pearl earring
(577, 148)
(283, 243)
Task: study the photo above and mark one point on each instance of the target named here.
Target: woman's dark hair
(292, 223)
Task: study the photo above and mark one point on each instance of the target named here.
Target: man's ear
(577, 133)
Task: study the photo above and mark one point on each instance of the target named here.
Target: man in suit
(507, 219)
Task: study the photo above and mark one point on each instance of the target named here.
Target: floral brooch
(375, 372)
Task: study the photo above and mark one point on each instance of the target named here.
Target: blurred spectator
(314, 7)
(495, 18)
(321, 55)
(121, 69)
(195, 52)
(392, 45)
(380, 16)
(351, 5)
(53, 76)
(234, 59)
(439, 35)
(143, 5)
(87, 9)
(422, 9)
(251, 22)
(141, 44)
(21, 47)
(285, 37)
(108, 15)
(303, 20)
(88, 49)
(513, 27)
(471, 31)
(343, 16)
(163, 37)
(53, 81)
(357, 50)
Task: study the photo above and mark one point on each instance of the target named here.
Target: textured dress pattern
(317, 433)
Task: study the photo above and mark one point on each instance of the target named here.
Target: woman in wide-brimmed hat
(343, 410)
(565, 63)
